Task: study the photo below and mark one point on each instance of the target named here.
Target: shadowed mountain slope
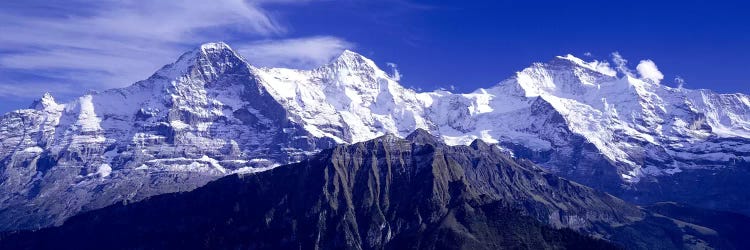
(386, 193)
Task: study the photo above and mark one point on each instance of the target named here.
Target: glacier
(211, 113)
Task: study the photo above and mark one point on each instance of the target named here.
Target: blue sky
(69, 47)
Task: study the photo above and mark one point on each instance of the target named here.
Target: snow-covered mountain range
(212, 113)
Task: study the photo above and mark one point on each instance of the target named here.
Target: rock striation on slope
(195, 120)
(386, 193)
(211, 113)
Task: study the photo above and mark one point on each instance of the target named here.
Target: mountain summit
(211, 114)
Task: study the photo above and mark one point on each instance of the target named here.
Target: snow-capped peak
(214, 46)
(598, 66)
(46, 101)
(350, 54)
(218, 58)
(352, 61)
(210, 111)
(208, 60)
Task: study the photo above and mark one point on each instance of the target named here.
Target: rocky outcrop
(198, 119)
(211, 113)
(386, 193)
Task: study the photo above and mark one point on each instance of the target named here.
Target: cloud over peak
(621, 64)
(297, 53)
(647, 70)
(78, 45)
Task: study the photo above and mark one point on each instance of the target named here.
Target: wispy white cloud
(32, 90)
(298, 53)
(647, 70)
(621, 64)
(396, 75)
(79, 45)
(679, 81)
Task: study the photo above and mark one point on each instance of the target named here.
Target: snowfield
(211, 113)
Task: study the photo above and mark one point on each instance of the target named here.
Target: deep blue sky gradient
(473, 44)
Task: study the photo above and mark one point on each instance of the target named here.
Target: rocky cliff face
(211, 113)
(193, 121)
(386, 193)
(583, 120)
